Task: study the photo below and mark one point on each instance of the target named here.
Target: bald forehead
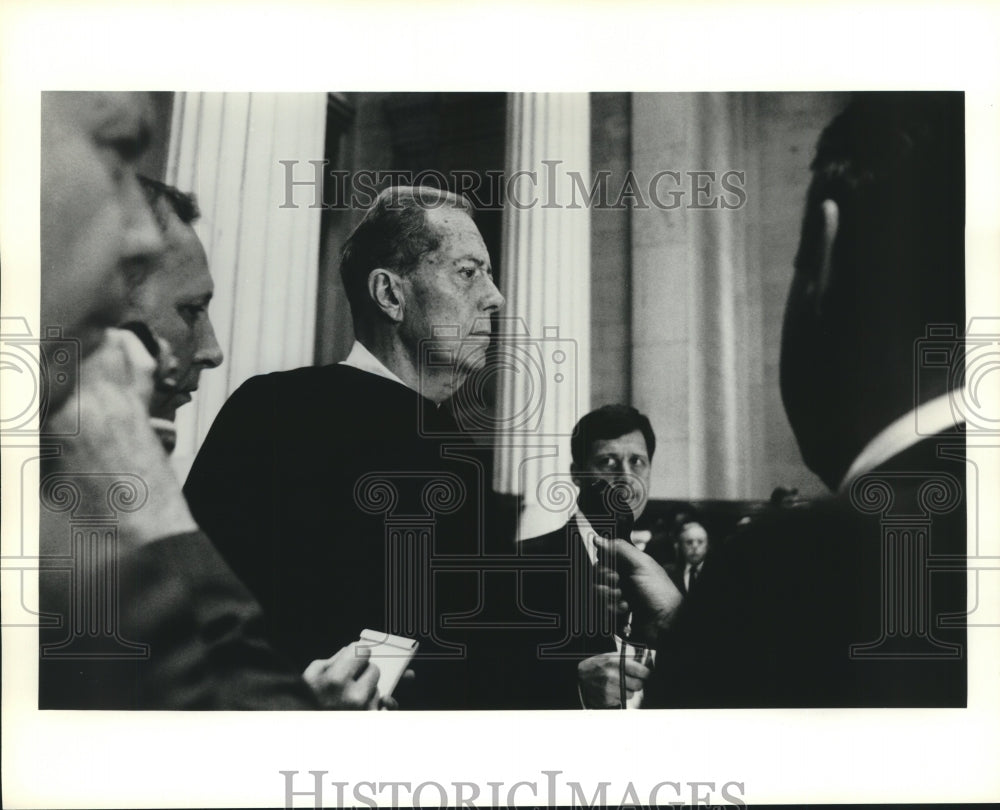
(693, 531)
(449, 217)
(458, 235)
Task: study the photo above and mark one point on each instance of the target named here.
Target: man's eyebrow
(202, 299)
(474, 259)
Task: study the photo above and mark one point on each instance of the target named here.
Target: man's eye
(468, 272)
(129, 148)
(190, 312)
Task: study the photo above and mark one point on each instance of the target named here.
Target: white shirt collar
(587, 534)
(363, 360)
(933, 416)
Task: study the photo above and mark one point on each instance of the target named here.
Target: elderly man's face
(173, 300)
(694, 543)
(624, 460)
(95, 223)
(451, 292)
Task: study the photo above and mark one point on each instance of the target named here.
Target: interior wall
(687, 304)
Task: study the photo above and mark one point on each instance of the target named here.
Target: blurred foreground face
(96, 225)
(173, 300)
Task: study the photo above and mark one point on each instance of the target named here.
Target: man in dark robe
(336, 492)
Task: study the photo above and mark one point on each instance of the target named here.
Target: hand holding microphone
(606, 505)
(625, 573)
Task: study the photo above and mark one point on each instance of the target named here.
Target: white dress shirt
(648, 655)
(687, 574)
(933, 416)
(363, 360)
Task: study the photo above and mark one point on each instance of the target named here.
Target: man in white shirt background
(580, 663)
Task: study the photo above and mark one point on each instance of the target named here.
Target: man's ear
(831, 222)
(386, 290)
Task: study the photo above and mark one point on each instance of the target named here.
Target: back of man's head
(881, 257)
(608, 422)
(394, 234)
(895, 165)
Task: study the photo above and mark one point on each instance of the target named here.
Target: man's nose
(209, 352)
(493, 299)
(142, 237)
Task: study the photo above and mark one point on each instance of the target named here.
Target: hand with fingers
(628, 579)
(111, 404)
(600, 680)
(387, 702)
(347, 680)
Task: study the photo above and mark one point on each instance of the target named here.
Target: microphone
(606, 506)
(163, 379)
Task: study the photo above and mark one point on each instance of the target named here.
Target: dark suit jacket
(676, 573)
(204, 645)
(537, 669)
(331, 493)
(838, 602)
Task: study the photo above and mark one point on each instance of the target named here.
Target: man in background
(692, 547)
(578, 664)
(804, 604)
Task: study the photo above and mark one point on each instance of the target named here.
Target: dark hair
(393, 234)
(609, 422)
(895, 165)
(185, 206)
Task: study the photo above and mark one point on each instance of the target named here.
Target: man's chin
(166, 411)
(165, 407)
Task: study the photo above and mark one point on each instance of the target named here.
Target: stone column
(697, 355)
(262, 252)
(543, 359)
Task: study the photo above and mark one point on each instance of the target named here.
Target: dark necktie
(692, 576)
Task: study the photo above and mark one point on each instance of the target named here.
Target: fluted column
(544, 353)
(263, 255)
(697, 356)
